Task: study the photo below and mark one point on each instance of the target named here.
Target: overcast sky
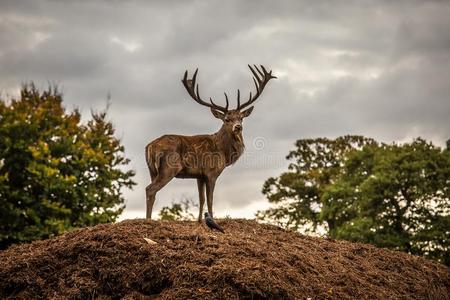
(376, 68)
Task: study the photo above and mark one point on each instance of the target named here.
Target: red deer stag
(202, 157)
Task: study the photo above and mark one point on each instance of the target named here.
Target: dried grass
(187, 261)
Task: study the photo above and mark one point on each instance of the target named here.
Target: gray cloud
(377, 68)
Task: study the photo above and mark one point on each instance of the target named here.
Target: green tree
(298, 192)
(55, 172)
(178, 211)
(353, 188)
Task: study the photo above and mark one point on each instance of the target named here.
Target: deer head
(232, 119)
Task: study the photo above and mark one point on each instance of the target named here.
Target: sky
(373, 68)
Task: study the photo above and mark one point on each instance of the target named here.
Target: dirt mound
(189, 261)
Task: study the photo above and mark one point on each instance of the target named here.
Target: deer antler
(192, 88)
(260, 83)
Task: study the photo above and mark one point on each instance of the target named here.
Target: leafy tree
(55, 172)
(178, 211)
(353, 188)
(298, 192)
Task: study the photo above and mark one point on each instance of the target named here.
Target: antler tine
(194, 78)
(193, 90)
(254, 73)
(260, 78)
(197, 94)
(256, 84)
(260, 73)
(226, 99)
(268, 73)
(239, 99)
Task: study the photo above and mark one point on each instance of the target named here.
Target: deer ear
(247, 112)
(217, 114)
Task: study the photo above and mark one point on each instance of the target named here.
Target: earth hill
(185, 260)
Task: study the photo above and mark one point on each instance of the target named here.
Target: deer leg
(201, 195)
(150, 196)
(159, 182)
(210, 183)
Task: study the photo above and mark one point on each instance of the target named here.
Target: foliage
(178, 211)
(55, 172)
(354, 188)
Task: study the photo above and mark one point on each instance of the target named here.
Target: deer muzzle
(237, 128)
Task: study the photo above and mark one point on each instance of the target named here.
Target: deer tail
(152, 160)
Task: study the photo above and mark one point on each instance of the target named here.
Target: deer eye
(227, 119)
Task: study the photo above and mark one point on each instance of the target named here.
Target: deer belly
(197, 166)
(189, 173)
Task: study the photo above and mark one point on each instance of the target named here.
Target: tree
(298, 192)
(354, 188)
(55, 172)
(178, 211)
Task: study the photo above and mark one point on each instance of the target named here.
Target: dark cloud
(377, 68)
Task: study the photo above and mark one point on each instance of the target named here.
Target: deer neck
(230, 144)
